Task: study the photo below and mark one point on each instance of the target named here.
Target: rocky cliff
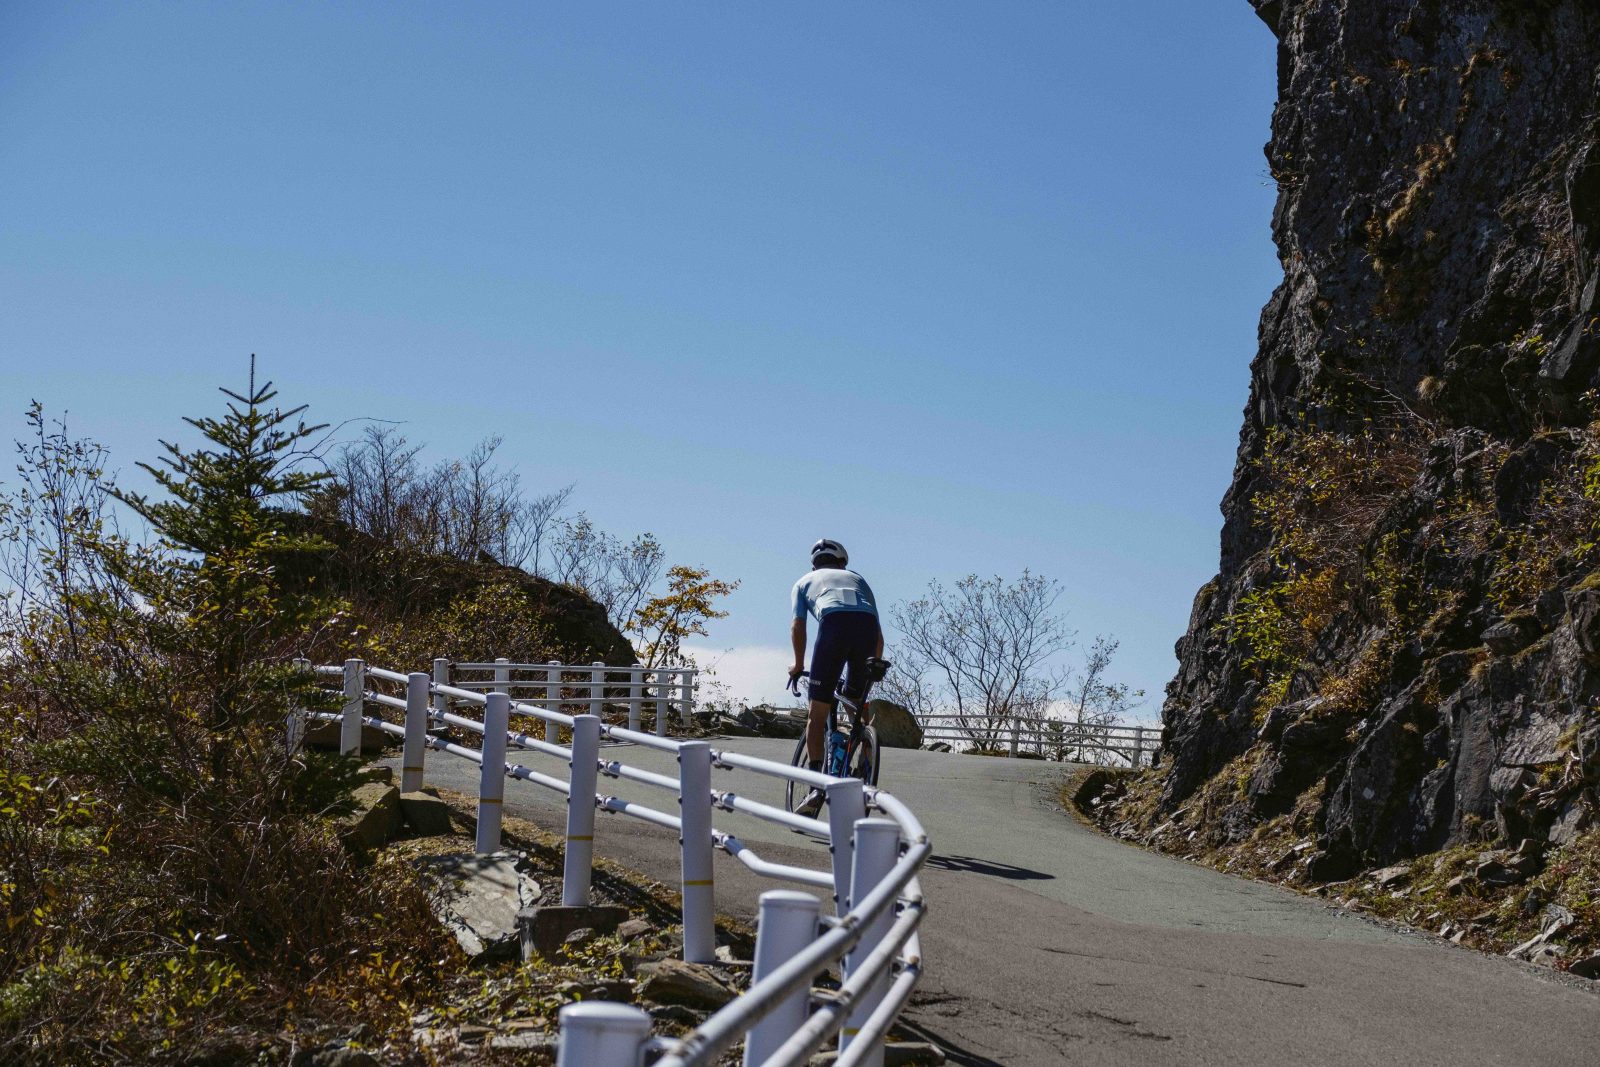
(1401, 650)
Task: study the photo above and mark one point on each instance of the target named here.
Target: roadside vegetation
(173, 883)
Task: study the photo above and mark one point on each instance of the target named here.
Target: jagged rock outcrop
(1411, 657)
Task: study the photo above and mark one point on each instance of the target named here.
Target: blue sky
(969, 287)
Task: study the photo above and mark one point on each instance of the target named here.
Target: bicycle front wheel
(794, 792)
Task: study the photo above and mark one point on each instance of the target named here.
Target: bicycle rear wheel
(864, 761)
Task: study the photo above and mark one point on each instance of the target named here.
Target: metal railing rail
(656, 690)
(1138, 745)
(871, 876)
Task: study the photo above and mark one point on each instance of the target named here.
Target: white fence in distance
(873, 865)
(1056, 739)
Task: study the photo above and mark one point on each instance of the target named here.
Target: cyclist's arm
(797, 637)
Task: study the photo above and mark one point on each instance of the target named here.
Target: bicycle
(861, 753)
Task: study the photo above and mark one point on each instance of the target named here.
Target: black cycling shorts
(844, 641)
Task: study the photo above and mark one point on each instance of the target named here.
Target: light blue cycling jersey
(830, 589)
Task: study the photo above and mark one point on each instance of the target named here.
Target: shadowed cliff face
(1402, 643)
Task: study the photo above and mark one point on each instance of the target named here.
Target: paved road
(1049, 944)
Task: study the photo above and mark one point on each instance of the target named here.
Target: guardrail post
(635, 697)
(416, 732)
(847, 803)
(877, 846)
(1016, 724)
(355, 688)
(492, 779)
(597, 1034)
(1138, 746)
(552, 700)
(502, 675)
(688, 699)
(296, 724)
(694, 808)
(663, 691)
(580, 810)
(441, 676)
(788, 923)
(597, 689)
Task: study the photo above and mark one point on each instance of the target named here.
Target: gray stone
(896, 726)
(727, 957)
(427, 815)
(478, 898)
(1391, 876)
(326, 735)
(344, 1056)
(579, 937)
(1545, 956)
(1588, 967)
(895, 1054)
(1496, 873)
(375, 820)
(544, 930)
(733, 728)
(524, 1040)
(1572, 821)
(1511, 635)
(673, 981)
(634, 928)
(675, 1013)
(1557, 920)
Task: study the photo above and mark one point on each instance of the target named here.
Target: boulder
(426, 814)
(543, 931)
(769, 721)
(896, 726)
(325, 734)
(478, 898)
(1511, 635)
(691, 985)
(1390, 876)
(1588, 967)
(374, 820)
(733, 728)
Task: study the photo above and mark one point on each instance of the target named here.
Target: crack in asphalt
(1171, 966)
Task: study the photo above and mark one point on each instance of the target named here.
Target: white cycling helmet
(830, 549)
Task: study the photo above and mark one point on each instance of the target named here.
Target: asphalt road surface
(1046, 943)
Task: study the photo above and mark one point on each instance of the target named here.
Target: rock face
(1403, 637)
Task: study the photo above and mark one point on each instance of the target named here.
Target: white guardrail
(1055, 739)
(872, 880)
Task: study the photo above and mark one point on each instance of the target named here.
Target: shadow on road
(992, 868)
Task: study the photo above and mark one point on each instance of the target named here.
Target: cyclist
(847, 635)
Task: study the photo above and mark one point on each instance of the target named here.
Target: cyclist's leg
(860, 639)
(827, 662)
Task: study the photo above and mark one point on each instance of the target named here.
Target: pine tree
(228, 517)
